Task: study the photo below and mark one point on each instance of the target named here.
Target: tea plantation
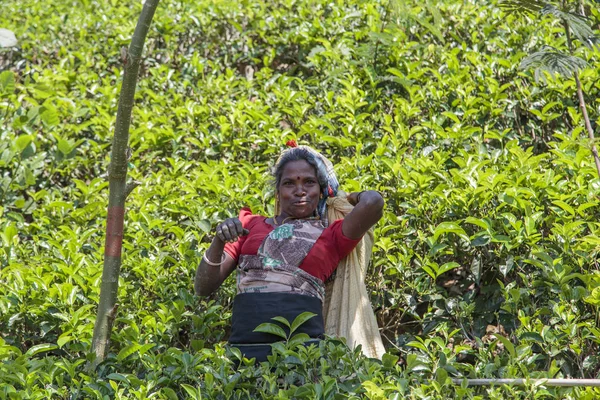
(485, 263)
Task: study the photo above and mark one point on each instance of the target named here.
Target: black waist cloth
(253, 309)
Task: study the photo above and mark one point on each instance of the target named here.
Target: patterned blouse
(296, 257)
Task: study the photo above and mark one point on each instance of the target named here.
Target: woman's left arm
(368, 209)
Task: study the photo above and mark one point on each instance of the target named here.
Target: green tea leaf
(448, 227)
(564, 206)
(204, 225)
(507, 345)
(298, 339)
(22, 142)
(169, 393)
(389, 360)
(447, 267)
(282, 320)
(301, 319)
(117, 377)
(63, 339)
(193, 392)
(49, 117)
(128, 350)
(41, 348)
(7, 82)
(271, 328)
(64, 147)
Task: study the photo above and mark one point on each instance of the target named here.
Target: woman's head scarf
(325, 168)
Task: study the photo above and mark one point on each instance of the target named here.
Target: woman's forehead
(300, 168)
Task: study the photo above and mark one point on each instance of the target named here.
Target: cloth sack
(347, 309)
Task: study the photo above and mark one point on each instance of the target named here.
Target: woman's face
(298, 190)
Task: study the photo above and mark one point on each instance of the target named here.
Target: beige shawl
(347, 308)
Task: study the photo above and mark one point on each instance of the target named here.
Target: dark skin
(299, 194)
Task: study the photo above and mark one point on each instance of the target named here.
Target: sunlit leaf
(271, 328)
(301, 319)
(128, 350)
(7, 82)
(41, 348)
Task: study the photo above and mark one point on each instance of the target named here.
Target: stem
(528, 382)
(582, 105)
(588, 125)
(117, 175)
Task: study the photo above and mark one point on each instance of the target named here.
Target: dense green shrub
(485, 261)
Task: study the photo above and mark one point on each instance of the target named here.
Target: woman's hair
(298, 154)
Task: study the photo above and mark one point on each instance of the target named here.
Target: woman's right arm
(210, 277)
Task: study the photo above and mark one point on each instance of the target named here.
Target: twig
(526, 382)
(586, 118)
(130, 186)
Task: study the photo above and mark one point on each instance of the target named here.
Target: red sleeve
(327, 252)
(234, 249)
(343, 244)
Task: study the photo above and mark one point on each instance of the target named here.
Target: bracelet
(213, 264)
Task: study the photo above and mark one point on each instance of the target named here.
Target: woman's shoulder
(248, 219)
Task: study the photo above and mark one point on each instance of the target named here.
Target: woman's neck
(284, 217)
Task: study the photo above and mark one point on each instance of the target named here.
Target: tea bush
(485, 260)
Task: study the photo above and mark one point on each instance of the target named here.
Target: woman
(284, 261)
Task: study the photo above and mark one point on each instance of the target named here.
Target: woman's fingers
(352, 198)
(228, 233)
(220, 233)
(230, 229)
(239, 229)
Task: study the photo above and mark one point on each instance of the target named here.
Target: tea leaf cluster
(485, 262)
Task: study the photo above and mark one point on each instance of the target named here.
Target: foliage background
(485, 261)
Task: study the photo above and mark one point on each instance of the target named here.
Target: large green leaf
(273, 329)
(552, 61)
(41, 348)
(448, 227)
(128, 350)
(7, 82)
(301, 319)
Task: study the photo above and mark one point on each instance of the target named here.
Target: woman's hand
(230, 230)
(353, 197)
(210, 275)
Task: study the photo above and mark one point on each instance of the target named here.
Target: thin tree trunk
(117, 175)
(582, 105)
